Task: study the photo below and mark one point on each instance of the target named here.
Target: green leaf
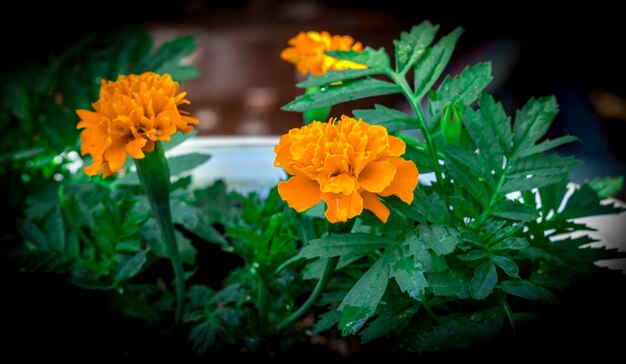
(432, 207)
(585, 201)
(461, 331)
(168, 56)
(186, 162)
(129, 266)
(327, 320)
(467, 86)
(441, 239)
(343, 244)
(532, 122)
(473, 255)
(332, 76)
(508, 266)
(410, 277)
(347, 91)
(514, 210)
(432, 65)
(397, 314)
(484, 281)
(392, 120)
(525, 289)
(549, 144)
(361, 301)
(450, 283)
(412, 46)
(372, 58)
(538, 171)
(464, 176)
(513, 242)
(607, 186)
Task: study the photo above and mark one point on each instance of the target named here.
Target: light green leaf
(525, 289)
(532, 122)
(410, 277)
(512, 242)
(508, 266)
(473, 255)
(607, 186)
(129, 266)
(515, 210)
(429, 68)
(347, 91)
(186, 162)
(484, 281)
(361, 301)
(327, 320)
(461, 331)
(499, 122)
(549, 144)
(343, 244)
(332, 76)
(538, 171)
(372, 58)
(441, 239)
(391, 119)
(450, 284)
(467, 86)
(412, 46)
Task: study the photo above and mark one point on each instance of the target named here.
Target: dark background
(571, 51)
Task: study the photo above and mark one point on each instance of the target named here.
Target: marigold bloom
(346, 164)
(307, 52)
(132, 113)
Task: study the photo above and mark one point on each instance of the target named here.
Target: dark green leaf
(473, 255)
(450, 283)
(538, 171)
(186, 162)
(525, 289)
(373, 58)
(392, 120)
(461, 331)
(467, 86)
(484, 281)
(343, 244)
(508, 266)
(327, 320)
(412, 46)
(361, 301)
(441, 239)
(332, 76)
(346, 91)
(585, 201)
(431, 66)
(410, 277)
(514, 210)
(129, 266)
(397, 314)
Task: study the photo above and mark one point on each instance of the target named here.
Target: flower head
(132, 114)
(346, 163)
(307, 52)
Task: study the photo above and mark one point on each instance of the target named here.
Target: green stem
(331, 265)
(154, 175)
(408, 94)
(507, 311)
(329, 270)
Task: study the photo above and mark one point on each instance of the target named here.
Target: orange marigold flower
(307, 52)
(132, 114)
(346, 163)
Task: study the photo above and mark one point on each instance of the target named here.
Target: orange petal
(340, 208)
(396, 146)
(405, 180)
(343, 183)
(375, 205)
(115, 154)
(134, 148)
(300, 192)
(377, 175)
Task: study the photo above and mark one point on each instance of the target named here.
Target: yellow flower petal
(299, 192)
(373, 203)
(342, 183)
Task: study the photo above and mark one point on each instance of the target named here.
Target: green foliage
(431, 276)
